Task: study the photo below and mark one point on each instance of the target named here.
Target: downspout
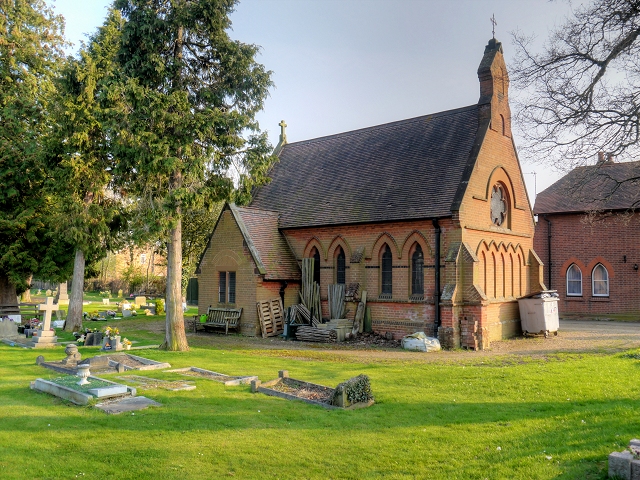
(436, 294)
(548, 251)
(283, 287)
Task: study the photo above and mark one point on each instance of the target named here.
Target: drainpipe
(436, 295)
(282, 289)
(548, 251)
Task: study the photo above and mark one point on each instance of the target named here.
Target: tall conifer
(191, 95)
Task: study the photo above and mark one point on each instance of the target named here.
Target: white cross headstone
(45, 337)
(48, 308)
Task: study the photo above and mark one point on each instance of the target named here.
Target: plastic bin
(539, 315)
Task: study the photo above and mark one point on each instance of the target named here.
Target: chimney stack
(600, 157)
(610, 158)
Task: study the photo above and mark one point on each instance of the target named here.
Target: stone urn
(83, 373)
(73, 356)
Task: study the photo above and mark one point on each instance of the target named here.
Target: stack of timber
(271, 317)
(302, 316)
(310, 291)
(336, 301)
(307, 333)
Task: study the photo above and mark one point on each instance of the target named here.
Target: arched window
(387, 271)
(316, 265)
(341, 267)
(574, 281)
(417, 272)
(600, 281)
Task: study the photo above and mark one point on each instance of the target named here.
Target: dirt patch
(303, 390)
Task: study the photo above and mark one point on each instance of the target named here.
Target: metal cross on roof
(493, 21)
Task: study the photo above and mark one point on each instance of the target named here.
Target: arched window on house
(574, 281)
(341, 267)
(600, 281)
(417, 272)
(387, 271)
(315, 254)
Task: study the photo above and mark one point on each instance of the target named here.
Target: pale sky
(341, 65)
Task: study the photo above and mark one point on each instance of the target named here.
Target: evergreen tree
(191, 95)
(79, 158)
(30, 57)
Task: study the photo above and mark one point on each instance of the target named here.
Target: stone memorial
(93, 339)
(105, 301)
(8, 328)
(45, 337)
(62, 298)
(140, 301)
(112, 343)
(73, 356)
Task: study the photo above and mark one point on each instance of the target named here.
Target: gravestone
(44, 337)
(112, 344)
(93, 339)
(8, 328)
(126, 313)
(140, 300)
(63, 297)
(105, 301)
(96, 363)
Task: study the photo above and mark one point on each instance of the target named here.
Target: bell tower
(494, 89)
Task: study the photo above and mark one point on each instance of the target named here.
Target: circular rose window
(498, 205)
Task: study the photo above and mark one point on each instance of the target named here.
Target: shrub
(159, 306)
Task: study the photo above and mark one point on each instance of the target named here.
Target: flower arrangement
(111, 313)
(111, 332)
(105, 294)
(126, 342)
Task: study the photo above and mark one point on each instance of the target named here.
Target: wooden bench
(218, 318)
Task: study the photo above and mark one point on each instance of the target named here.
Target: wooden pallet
(271, 317)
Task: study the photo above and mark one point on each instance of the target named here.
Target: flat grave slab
(215, 376)
(111, 391)
(131, 404)
(146, 382)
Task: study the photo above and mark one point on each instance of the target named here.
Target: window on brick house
(341, 267)
(387, 271)
(574, 281)
(417, 272)
(600, 281)
(227, 287)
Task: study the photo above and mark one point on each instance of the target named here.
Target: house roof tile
(594, 187)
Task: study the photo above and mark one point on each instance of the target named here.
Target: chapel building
(429, 215)
(588, 235)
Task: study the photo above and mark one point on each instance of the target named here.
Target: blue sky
(340, 65)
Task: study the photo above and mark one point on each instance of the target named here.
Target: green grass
(475, 418)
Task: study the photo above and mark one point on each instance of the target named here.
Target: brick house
(588, 236)
(429, 215)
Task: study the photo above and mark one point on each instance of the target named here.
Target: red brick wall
(400, 314)
(586, 243)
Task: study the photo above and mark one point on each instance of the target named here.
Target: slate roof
(403, 170)
(593, 187)
(267, 245)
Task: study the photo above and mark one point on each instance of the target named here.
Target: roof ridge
(382, 125)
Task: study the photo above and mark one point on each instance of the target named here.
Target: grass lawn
(500, 418)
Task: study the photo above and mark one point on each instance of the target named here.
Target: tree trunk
(26, 295)
(8, 297)
(74, 316)
(175, 337)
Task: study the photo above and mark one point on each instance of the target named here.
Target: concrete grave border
(233, 381)
(257, 386)
(79, 398)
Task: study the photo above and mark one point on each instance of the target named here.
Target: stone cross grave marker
(45, 337)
